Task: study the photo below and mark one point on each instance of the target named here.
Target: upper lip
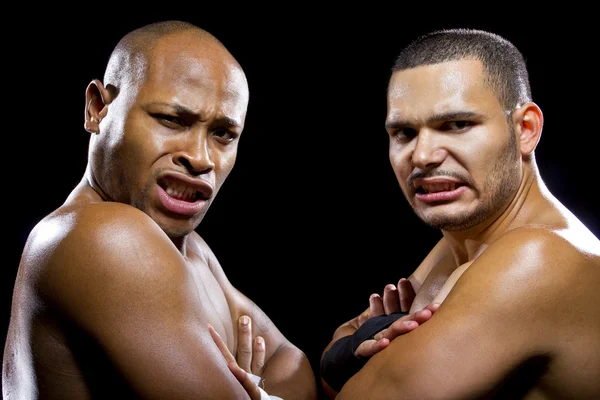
(203, 188)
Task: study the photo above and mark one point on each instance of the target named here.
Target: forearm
(344, 330)
(289, 375)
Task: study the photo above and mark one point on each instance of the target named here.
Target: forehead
(193, 72)
(440, 88)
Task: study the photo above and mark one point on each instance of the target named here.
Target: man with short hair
(507, 300)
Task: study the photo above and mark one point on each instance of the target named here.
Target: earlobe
(96, 100)
(529, 122)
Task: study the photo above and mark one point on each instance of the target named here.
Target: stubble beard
(499, 188)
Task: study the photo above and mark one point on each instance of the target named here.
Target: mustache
(419, 174)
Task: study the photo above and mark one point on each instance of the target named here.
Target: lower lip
(441, 196)
(179, 206)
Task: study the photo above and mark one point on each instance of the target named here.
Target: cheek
(400, 161)
(224, 162)
(143, 143)
(478, 156)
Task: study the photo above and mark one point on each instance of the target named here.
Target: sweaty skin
(115, 290)
(516, 272)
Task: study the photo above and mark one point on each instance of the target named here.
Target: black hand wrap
(339, 362)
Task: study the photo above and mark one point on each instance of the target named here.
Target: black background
(311, 221)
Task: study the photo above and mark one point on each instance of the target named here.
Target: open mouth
(184, 191)
(427, 188)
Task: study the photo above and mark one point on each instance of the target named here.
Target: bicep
(136, 301)
(447, 357)
(491, 322)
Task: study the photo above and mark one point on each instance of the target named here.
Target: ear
(528, 121)
(97, 98)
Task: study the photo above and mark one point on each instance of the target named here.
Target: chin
(177, 228)
(174, 232)
(453, 223)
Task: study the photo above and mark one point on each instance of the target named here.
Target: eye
(456, 125)
(225, 136)
(169, 120)
(404, 134)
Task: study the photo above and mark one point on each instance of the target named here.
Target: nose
(195, 154)
(428, 152)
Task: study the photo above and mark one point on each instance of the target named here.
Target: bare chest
(217, 307)
(438, 284)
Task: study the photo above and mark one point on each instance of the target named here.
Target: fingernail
(259, 340)
(390, 287)
(245, 320)
(373, 296)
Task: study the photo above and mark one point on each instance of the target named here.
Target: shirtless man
(117, 296)
(508, 298)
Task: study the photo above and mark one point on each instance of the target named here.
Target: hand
(250, 352)
(395, 299)
(399, 327)
(251, 356)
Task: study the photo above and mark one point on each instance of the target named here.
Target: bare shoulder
(76, 231)
(95, 245)
(545, 249)
(532, 265)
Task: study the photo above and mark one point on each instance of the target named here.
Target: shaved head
(173, 100)
(128, 62)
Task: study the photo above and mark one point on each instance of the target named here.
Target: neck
(181, 243)
(529, 201)
(90, 182)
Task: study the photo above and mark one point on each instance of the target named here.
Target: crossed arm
(473, 342)
(386, 318)
(121, 282)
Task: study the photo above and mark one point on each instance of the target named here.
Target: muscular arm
(416, 279)
(287, 373)
(497, 318)
(118, 279)
(339, 365)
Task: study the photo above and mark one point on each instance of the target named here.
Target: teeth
(180, 192)
(439, 187)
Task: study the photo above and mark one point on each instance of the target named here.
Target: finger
(258, 356)
(221, 345)
(375, 305)
(244, 352)
(371, 347)
(406, 294)
(397, 328)
(433, 307)
(363, 317)
(422, 316)
(426, 313)
(244, 379)
(391, 301)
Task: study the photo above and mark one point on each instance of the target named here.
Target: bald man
(117, 296)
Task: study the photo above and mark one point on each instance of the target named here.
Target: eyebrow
(450, 116)
(182, 110)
